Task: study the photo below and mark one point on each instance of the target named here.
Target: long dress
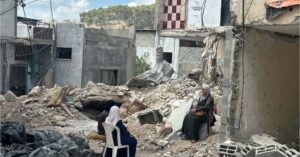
(191, 123)
(126, 139)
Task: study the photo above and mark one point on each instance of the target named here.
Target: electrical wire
(16, 5)
(248, 9)
(202, 12)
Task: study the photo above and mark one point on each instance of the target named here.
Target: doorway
(18, 79)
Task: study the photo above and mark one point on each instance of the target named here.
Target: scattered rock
(90, 84)
(58, 95)
(78, 105)
(10, 96)
(35, 91)
(2, 99)
(136, 106)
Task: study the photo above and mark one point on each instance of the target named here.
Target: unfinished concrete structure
(259, 60)
(98, 55)
(145, 45)
(25, 50)
(261, 86)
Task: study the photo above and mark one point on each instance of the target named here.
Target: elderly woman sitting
(198, 115)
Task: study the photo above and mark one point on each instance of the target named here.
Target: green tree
(141, 64)
(143, 16)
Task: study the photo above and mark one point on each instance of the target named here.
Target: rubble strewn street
(145, 111)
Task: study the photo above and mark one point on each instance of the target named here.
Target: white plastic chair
(110, 142)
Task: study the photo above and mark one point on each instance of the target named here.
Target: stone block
(135, 106)
(10, 96)
(150, 117)
(35, 91)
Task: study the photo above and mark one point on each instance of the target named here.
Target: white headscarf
(113, 116)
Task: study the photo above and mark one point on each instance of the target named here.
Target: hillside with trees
(142, 16)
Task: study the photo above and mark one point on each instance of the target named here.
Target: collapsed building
(255, 45)
(26, 46)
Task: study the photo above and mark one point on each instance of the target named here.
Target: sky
(70, 9)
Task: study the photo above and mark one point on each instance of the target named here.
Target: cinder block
(268, 151)
(227, 150)
(288, 152)
(247, 151)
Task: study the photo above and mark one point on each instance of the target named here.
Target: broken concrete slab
(195, 74)
(59, 95)
(135, 106)
(162, 72)
(10, 96)
(264, 139)
(35, 91)
(90, 84)
(150, 117)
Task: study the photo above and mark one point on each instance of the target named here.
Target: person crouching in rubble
(198, 115)
(114, 118)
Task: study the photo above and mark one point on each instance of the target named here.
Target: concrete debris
(150, 117)
(10, 96)
(35, 91)
(161, 72)
(195, 74)
(147, 113)
(58, 95)
(260, 145)
(136, 106)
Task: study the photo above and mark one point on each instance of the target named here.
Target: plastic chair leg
(104, 152)
(114, 152)
(128, 151)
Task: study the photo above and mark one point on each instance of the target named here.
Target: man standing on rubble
(198, 115)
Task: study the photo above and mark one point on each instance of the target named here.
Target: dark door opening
(18, 79)
(167, 56)
(109, 77)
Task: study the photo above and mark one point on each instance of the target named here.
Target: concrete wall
(105, 50)
(271, 91)
(257, 13)
(189, 59)
(171, 45)
(69, 71)
(7, 28)
(22, 31)
(145, 44)
(8, 19)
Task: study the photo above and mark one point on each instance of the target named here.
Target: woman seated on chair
(114, 118)
(197, 115)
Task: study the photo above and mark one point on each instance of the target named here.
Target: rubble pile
(260, 145)
(145, 111)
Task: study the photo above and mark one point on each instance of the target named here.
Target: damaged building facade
(181, 22)
(254, 45)
(26, 46)
(261, 88)
(97, 55)
(32, 53)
